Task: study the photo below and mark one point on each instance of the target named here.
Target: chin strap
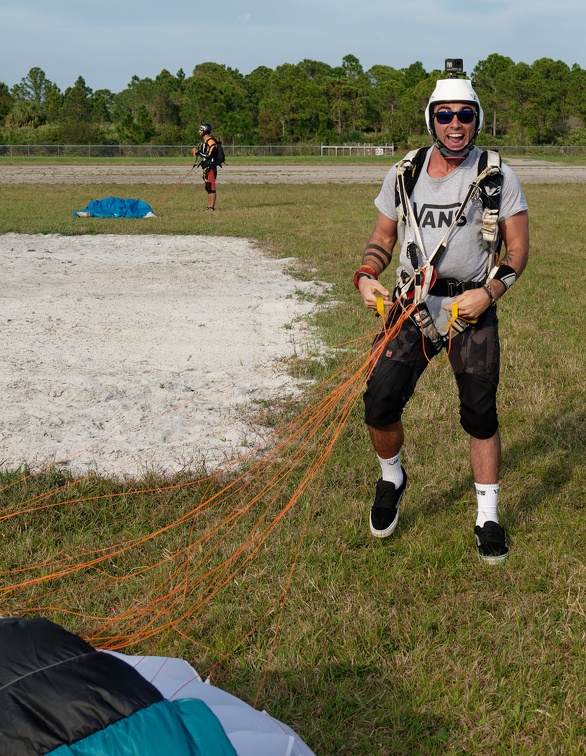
(452, 154)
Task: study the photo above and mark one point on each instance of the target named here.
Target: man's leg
(389, 388)
(485, 459)
(387, 441)
(211, 189)
(384, 514)
(475, 360)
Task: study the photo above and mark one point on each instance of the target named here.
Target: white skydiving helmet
(454, 90)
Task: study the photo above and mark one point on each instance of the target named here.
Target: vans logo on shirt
(437, 216)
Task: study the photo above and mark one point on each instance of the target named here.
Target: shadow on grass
(540, 467)
(354, 709)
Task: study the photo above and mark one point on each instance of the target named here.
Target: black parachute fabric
(58, 695)
(55, 688)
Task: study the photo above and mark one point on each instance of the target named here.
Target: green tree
(216, 94)
(491, 77)
(543, 102)
(577, 95)
(130, 111)
(33, 88)
(538, 101)
(550, 109)
(102, 105)
(256, 84)
(77, 102)
(6, 100)
(165, 105)
(130, 99)
(145, 123)
(413, 103)
(128, 130)
(53, 103)
(23, 114)
(293, 106)
(349, 91)
(387, 85)
(34, 101)
(414, 74)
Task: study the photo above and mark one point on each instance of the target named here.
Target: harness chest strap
(433, 259)
(488, 181)
(491, 203)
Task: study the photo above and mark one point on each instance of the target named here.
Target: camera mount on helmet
(459, 89)
(455, 67)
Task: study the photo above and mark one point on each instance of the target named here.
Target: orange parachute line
(175, 186)
(229, 525)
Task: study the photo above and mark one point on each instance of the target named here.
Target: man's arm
(376, 258)
(515, 233)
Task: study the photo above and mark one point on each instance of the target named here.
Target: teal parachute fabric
(181, 728)
(116, 207)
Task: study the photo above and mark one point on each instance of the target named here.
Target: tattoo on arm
(506, 260)
(374, 252)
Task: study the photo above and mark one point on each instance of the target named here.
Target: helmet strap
(454, 154)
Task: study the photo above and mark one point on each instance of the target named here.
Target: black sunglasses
(464, 116)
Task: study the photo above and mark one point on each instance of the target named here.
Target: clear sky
(108, 42)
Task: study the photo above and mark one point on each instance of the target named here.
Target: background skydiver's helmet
(453, 90)
(205, 128)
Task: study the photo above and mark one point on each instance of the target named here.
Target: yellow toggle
(455, 317)
(380, 305)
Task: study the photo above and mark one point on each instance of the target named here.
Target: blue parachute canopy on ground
(116, 207)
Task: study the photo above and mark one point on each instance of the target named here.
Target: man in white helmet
(443, 239)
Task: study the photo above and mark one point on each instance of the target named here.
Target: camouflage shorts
(475, 360)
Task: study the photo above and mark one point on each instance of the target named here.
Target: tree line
(307, 102)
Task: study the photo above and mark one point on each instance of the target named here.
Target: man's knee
(387, 393)
(478, 411)
(209, 188)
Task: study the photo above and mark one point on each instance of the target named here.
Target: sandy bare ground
(122, 354)
(529, 172)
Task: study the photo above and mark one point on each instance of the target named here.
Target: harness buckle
(453, 287)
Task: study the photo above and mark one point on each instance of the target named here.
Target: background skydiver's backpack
(220, 158)
(490, 192)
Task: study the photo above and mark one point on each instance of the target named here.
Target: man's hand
(368, 289)
(471, 304)
(194, 151)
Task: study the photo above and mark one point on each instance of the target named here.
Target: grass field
(406, 646)
(236, 160)
(565, 159)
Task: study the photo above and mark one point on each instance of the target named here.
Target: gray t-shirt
(435, 201)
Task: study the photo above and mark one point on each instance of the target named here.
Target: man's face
(459, 129)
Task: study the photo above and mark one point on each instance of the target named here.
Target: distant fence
(364, 150)
(152, 150)
(243, 150)
(182, 150)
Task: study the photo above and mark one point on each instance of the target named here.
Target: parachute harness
(418, 285)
